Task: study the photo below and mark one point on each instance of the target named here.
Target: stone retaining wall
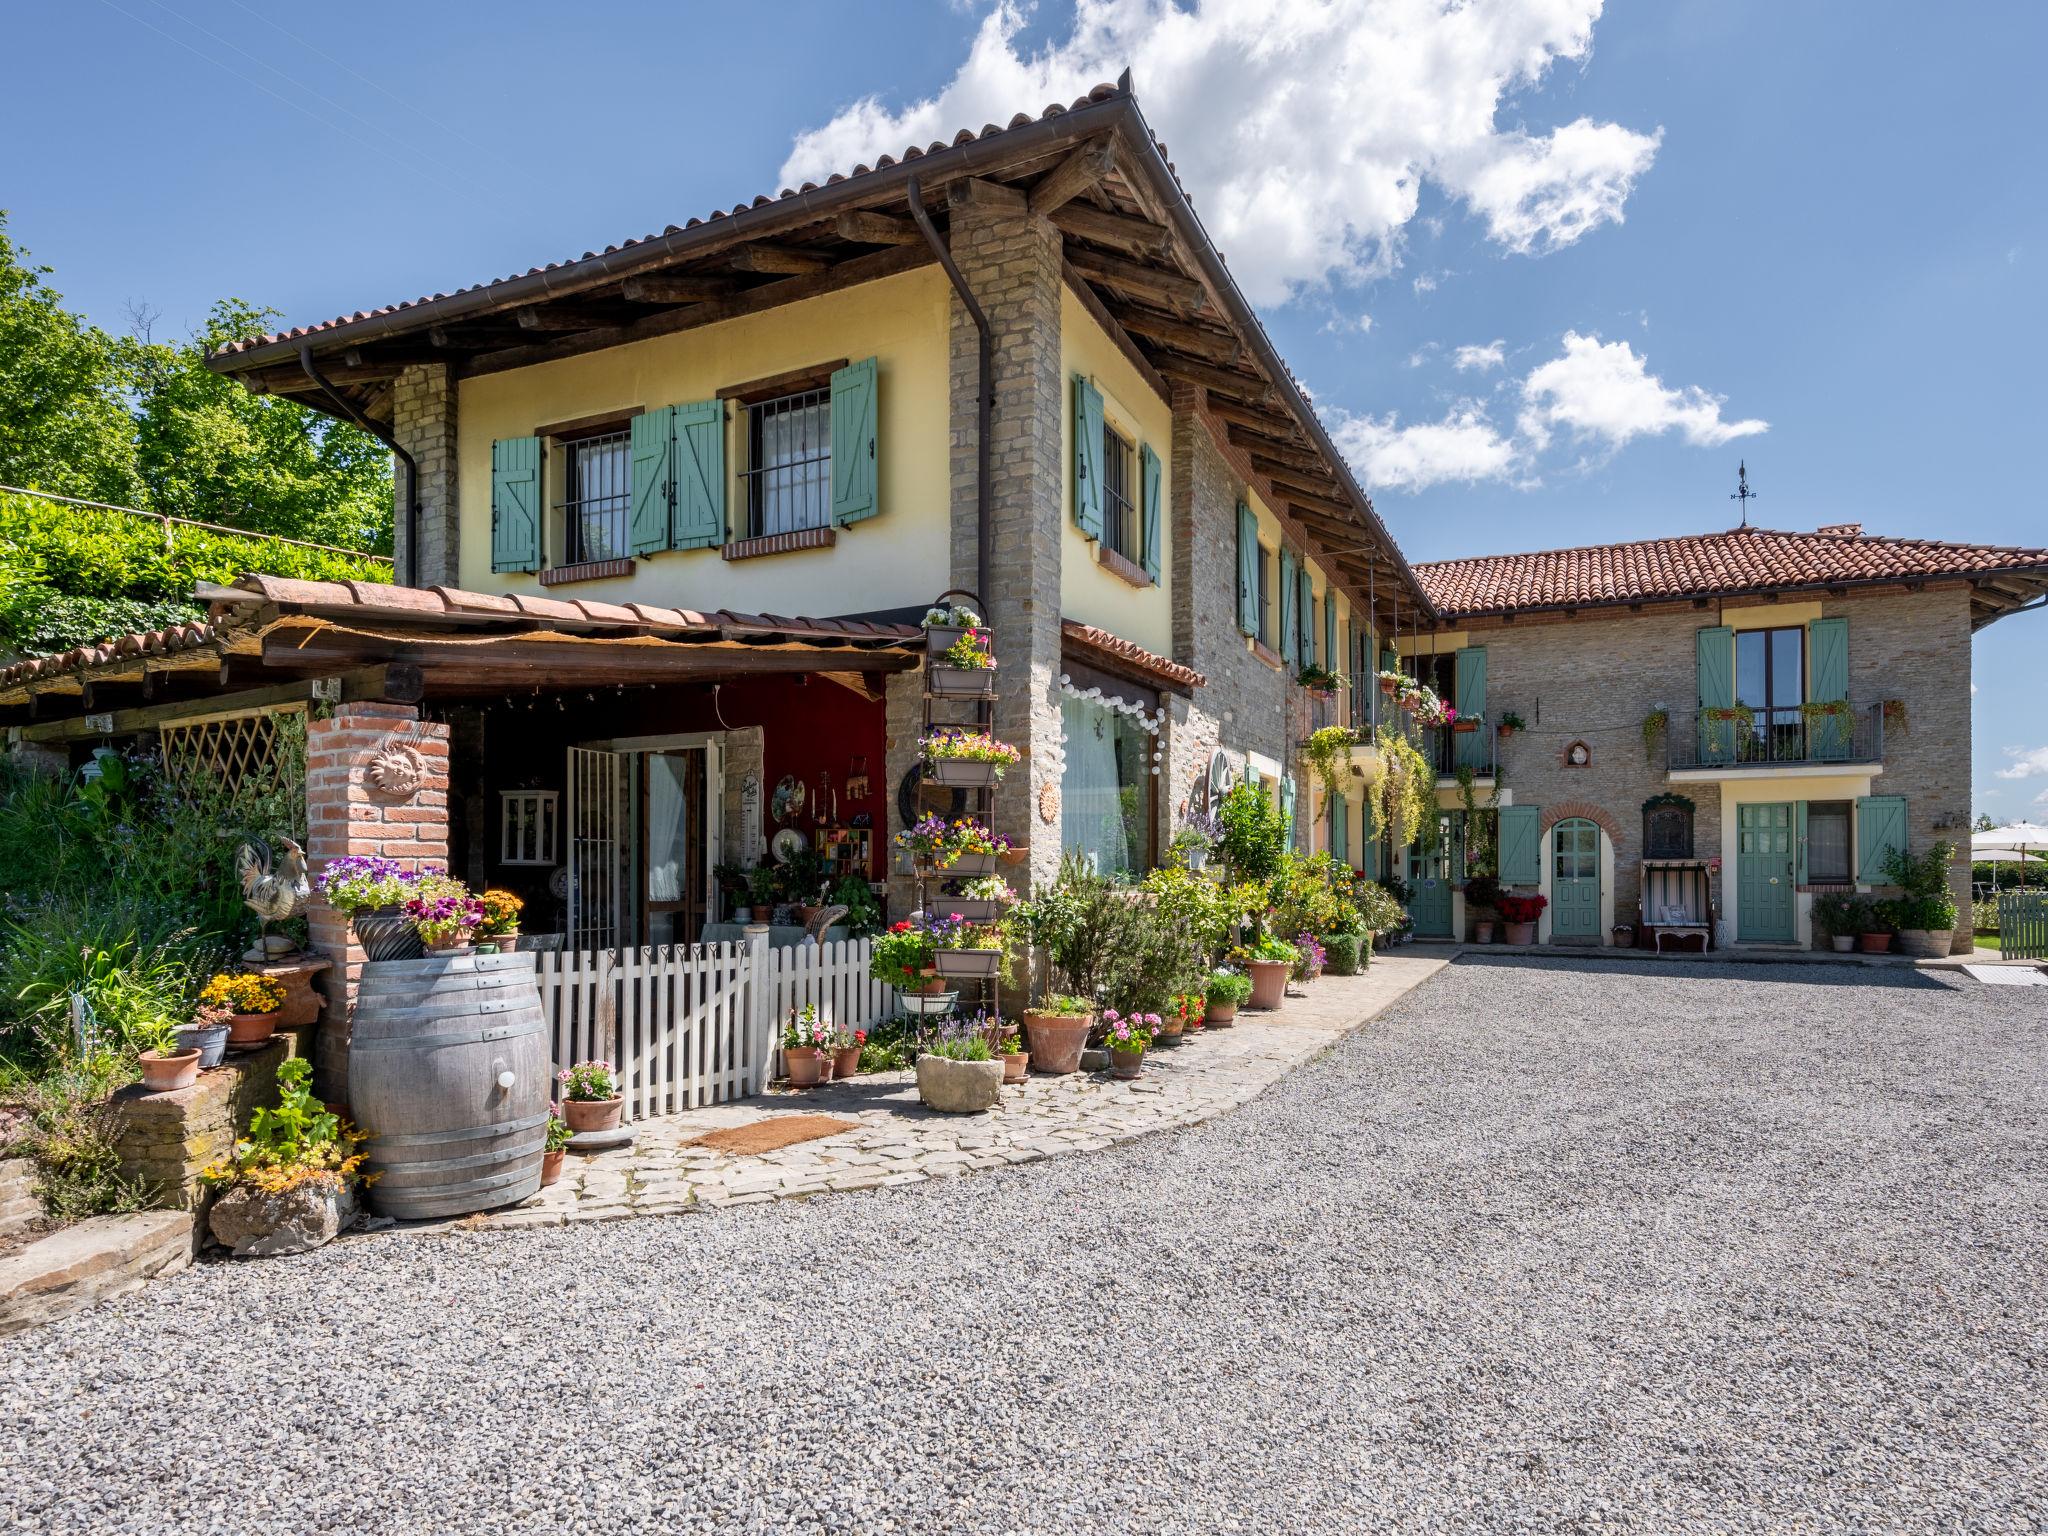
(166, 1138)
(18, 1203)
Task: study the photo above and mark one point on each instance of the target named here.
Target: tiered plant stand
(960, 698)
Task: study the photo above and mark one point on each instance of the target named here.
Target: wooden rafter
(676, 288)
(1074, 175)
(781, 259)
(1218, 345)
(564, 317)
(869, 228)
(1144, 281)
(1222, 380)
(1084, 221)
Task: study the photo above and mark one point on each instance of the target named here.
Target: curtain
(665, 849)
(1091, 809)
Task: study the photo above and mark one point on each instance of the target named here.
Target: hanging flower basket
(967, 962)
(973, 909)
(961, 682)
(1465, 725)
(962, 772)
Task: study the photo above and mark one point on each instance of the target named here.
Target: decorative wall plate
(1048, 802)
(558, 882)
(395, 770)
(788, 802)
(787, 844)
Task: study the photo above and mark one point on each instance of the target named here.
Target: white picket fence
(695, 1024)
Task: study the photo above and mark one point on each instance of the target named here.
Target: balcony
(1702, 746)
(1450, 749)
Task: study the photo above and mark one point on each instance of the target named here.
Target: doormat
(773, 1133)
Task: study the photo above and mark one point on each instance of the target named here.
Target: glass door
(672, 886)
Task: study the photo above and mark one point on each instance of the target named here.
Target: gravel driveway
(1551, 1246)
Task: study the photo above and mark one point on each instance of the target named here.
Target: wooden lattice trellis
(229, 750)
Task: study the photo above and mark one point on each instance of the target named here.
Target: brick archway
(1567, 810)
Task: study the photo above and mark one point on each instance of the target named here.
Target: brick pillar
(423, 420)
(376, 783)
(1011, 259)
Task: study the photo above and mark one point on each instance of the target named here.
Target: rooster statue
(274, 887)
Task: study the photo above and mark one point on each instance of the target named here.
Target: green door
(1429, 875)
(1574, 882)
(1763, 874)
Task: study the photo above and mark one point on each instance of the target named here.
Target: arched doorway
(1575, 882)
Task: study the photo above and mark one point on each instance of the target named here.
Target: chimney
(1842, 530)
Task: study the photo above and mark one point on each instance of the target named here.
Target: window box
(975, 909)
(961, 682)
(780, 543)
(940, 638)
(961, 773)
(967, 962)
(967, 866)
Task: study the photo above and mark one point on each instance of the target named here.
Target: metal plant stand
(954, 700)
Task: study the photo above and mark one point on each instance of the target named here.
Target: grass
(1988, 941)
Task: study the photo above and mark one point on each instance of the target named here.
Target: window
(1667, 828)
(789, 463)
(1266, 635)
(597, 496)
(1770, 677)
(1105, 787)
(526, 826)
(1827, 841)
(1119, 494)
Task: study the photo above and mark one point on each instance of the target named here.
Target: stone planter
(1127, 1064)
(1520, 933)
(1269, 983)
(1874, 943)
(167, 1074)
(959, 1087)
(551, 1166)
(805, 1065)
(246, 1031)
(1219, 1015)
(1056, 1040)
(967, 962)
(961, 682)
(1925, 943)
(259, 1226)
(1015, 1065)
(386, 933)
(593, 1114)
(960, 773)
(210, 1042)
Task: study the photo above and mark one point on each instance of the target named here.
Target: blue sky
(1666, 236)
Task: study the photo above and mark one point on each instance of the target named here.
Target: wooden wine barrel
(429, 1042)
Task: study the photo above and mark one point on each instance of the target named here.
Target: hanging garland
(1148, 721)
(1328, 755)
(1401, 802)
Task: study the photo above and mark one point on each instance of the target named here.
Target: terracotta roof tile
(1162, 668)
(1702, 564)
(155, 642)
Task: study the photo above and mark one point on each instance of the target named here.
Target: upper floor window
(789, 463)
(1770, 668)
(597, 494)
(1119, 494)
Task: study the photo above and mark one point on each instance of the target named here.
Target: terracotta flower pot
(1269, 983)
(805, 1065)
(164, 1074)
(1520, 933)
(1127, 1064)
(1015, 1064)
(1056, 1040)
(1874, 943)
(551, 1166)
(1219, 1015)
(246, 1031)
(593, 1114)
(1482, 931)
(454, 944)
(1464, 727)
(508, 943)
(1170, 1026)
(846, 1062)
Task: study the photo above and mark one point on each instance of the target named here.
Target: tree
(64, 423)
(1984, 822)
(209, 449)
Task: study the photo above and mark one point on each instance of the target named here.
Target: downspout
(985, 403)
(412, 468)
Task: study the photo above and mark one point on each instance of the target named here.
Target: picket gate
(2023, 925)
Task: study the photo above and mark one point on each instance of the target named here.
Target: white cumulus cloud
(1477, 359)
(1305, 128)
(1603, 390)
(2027, 763)
(1463, 446)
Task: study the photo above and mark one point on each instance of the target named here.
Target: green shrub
(68, 1128)
(1254, 832)
(1340, 952)
(1232, 989)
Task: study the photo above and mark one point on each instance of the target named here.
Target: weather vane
(1742, 492)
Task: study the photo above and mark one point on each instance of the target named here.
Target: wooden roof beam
(1074, 175)
(1084, 221)
(1317, 481)
(1259, 445)
(1241, 386)
(1175, 333)
(869, 228)
(1146, 282)
(783, 259)
(1267, 423)
(676, 288)
(564, 317)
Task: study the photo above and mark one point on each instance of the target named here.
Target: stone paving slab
(899, 1141)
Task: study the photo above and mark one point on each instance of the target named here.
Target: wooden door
(1763, 874)
(1429, 877)
(1574, 881)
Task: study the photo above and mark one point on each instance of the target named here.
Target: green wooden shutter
(1827, 665)
(699, 464)
(1087, 457)
(1714, 654)
(1798, 842)
(1880, 827)
(854, 461)
(654, 483)
(1332, 657)
(1287, 803)
(1149, 480)
(1521, 844)
(1289, 625)
(1247, 570)
(515, 504)
(1468, 678)
(1305, 615)
(1340, 829)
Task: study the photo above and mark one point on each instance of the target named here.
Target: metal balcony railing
(1451, 749)
(1774, 738)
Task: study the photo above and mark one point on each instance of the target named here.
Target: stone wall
(19, 1205)
(164, 1139)
(423, 420)
(376, 783)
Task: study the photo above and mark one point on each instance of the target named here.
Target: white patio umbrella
(2010, 842)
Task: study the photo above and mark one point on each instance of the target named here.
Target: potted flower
(1057, 1030)
(1392, 682)
(556, 1146)
(1520, 914)
(945, 624)
(1127, 1037)
(500, 925)
(207, 1034)
(968, 759)
(252, 1003)
(981, 901)
(166, 1065)
(1464, 725)
(957, 1073)
(591, 1098)
(1482, 901)
(373, 891)
(1010, 1047)
(902, 958)
(1508, 724)
(1880, 922)
(963, 846)
(967, 667)
(1319, 680)
(846, 1049)
(1188, 1009)
(1270, 962)
(1310, 955)
(443, 913)
(1194, 840)
(1840, 917)
(805, 1039)
(961, 947)
(289, 1185)
(1224, 993)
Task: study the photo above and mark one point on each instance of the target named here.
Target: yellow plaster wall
(1770, 615)
(1773, 789)
(1089, 593)
(895, 559)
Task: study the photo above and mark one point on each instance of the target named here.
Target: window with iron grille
(597, 496)
(1119, 487)
(789, 463)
